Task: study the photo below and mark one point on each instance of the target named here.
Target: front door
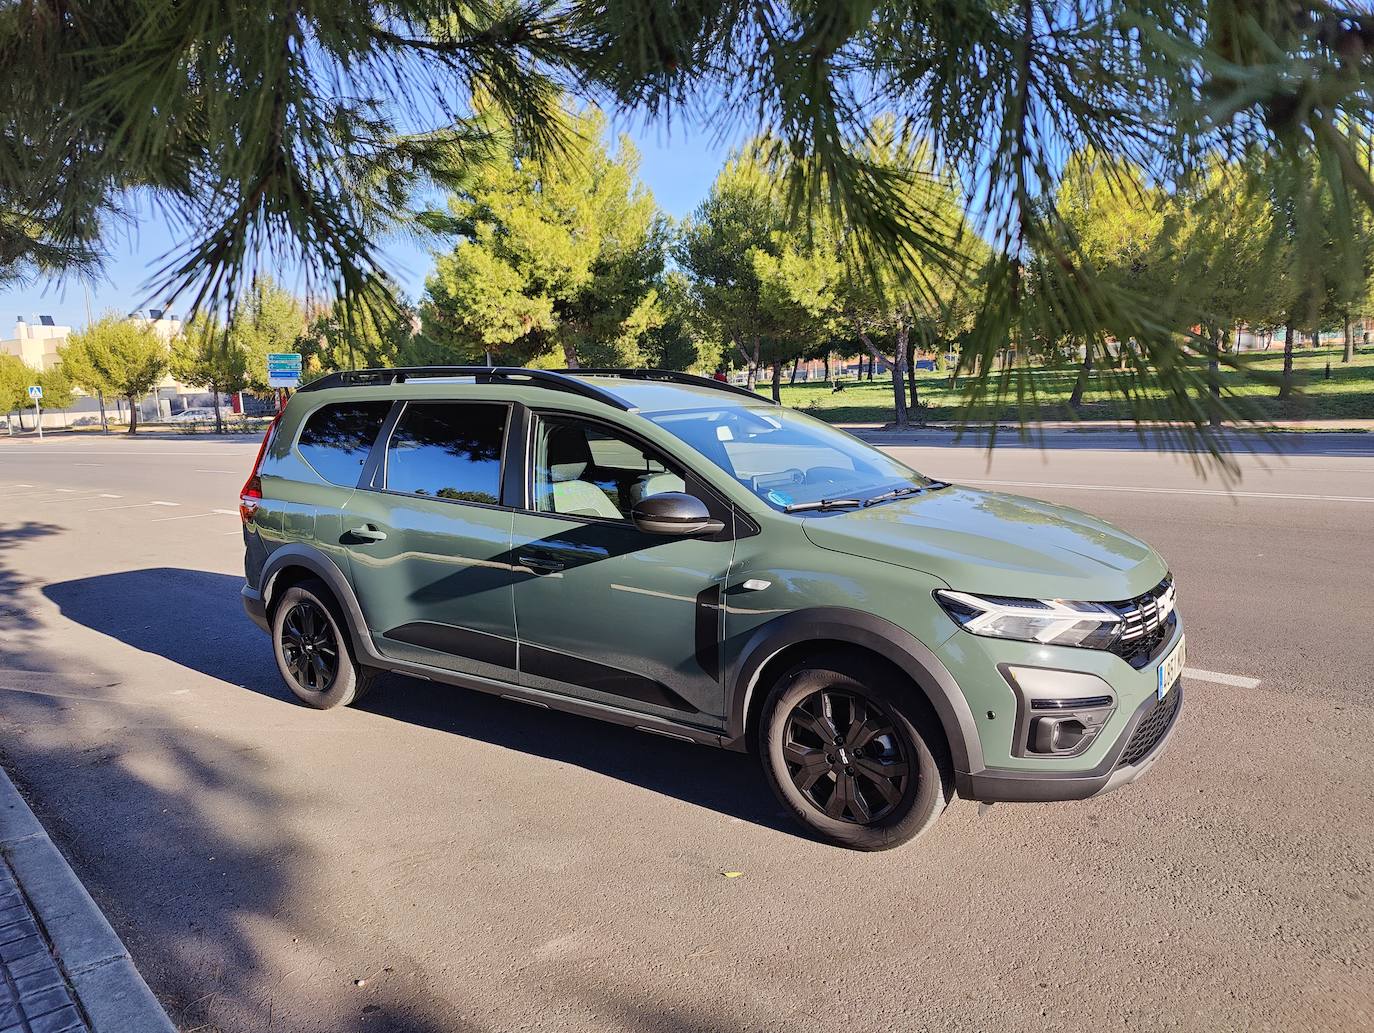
(429, 542)
(606, 612)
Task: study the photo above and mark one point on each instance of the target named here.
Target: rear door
(429, 540)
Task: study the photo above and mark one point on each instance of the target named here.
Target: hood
(996, 544)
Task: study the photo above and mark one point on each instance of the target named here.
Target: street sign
(283, 369)
(35, 392)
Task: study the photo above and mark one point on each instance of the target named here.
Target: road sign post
(36, 393)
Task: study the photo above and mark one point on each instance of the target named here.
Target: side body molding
(854, 627)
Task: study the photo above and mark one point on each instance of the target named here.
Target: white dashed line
(131, 505)
(158, 503)
(1173, 491)
(227, 512)
(1239, 681)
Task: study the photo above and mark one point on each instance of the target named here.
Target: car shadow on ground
(195, 618)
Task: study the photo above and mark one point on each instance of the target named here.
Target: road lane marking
(187, 516)
(1239, 681)
(214, 471)
(228, 512)
(68, 491)
(88, 464)
(132, 505)
(107, 495)
(1174, 491)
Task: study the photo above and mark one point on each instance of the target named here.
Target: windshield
(786, 458)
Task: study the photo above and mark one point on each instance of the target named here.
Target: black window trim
(375, 473)
(720, 507)
(367, 459)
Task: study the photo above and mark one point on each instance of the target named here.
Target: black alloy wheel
(845, 756)
(309, 647)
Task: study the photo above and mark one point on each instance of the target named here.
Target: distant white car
(192, 416)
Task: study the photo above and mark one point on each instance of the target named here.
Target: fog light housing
(1051, 735)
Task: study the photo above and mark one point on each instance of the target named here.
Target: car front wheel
(853, 753)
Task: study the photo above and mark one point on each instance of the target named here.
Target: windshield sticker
(779, 498)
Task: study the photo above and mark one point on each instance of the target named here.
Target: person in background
(720, 375)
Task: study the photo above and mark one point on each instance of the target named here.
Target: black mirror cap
(674, 512)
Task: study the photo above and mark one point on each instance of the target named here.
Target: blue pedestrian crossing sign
(35, 392)
(283, 369)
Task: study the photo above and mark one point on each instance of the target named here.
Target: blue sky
(678, 166)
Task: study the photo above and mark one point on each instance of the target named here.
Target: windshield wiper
(906, 489)
(822, 504)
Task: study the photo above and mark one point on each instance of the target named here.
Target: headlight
(1054, 622)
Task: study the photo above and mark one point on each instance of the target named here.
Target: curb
(64, 928)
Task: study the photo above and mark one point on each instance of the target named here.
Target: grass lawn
(1349, 394)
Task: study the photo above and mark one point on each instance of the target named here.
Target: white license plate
(1171, 667)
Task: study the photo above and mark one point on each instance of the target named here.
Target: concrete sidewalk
(62, 967)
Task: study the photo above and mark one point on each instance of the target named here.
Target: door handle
(541, 564)
(367, 534)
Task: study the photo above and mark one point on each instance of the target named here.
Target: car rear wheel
(311, 650)
(853, 753)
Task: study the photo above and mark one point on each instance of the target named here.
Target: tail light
(252, 488)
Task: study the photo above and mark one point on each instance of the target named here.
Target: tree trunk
(219, 421)
(910, 352)
(777, 382)
(899, 380)
(104, 423)
(752, 362)
(570, 355)
(1316, 339)
(1080, 385)
(1286, 386)
(133, 415)
(827, 367)
(795, 363)
(1214, 378)
(898, 386)
(1349, 353)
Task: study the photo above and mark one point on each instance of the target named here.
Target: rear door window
(336, 439)
(448, 450)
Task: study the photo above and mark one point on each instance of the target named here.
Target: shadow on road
(194, 618)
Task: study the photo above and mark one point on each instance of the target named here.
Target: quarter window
(336, 439)
(448, 450)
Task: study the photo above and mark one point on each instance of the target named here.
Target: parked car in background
(192, 416)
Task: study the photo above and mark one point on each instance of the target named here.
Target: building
(36, 342)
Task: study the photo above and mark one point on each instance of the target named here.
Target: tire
(323, 674)
(865, 801)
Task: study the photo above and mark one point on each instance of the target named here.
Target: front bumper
(1127, 760)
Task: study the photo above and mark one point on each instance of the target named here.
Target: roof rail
(668, 376)
(480, 374)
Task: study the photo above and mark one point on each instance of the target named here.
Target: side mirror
(675, 513)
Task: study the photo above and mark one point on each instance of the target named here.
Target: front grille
(1152, 728)
(1148, 622)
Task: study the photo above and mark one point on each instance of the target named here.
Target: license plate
(1171, 667)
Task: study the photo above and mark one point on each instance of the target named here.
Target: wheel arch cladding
(786, 640)
(294, 563)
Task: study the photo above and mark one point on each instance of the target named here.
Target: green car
(684, 557)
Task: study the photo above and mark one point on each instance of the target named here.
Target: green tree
(556, 256)
(719, 246)
(359, 333)
(1226, 264)
(119, 356)
(206, 355)
(276, 127)
(15, 378)
(266, 319)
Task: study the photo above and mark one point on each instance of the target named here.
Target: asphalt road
(438, 860)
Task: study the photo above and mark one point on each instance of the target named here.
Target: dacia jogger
(684, 557)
